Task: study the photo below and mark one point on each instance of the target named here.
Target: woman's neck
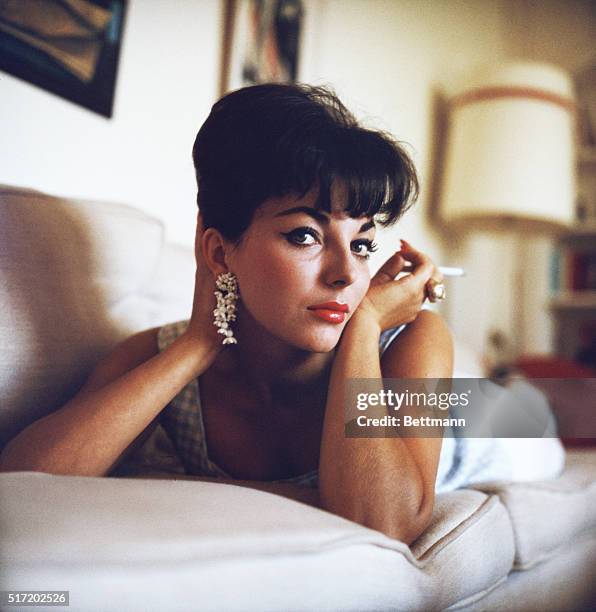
(276, 372)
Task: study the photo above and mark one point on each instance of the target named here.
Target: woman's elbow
(10, 462)
(407, 528)
(13, 460)
(404, 521)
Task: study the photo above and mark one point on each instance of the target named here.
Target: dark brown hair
(273, 140)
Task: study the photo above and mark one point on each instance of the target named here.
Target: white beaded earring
(227, 283)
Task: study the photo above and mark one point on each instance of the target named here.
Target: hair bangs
(378, 177)
(274, 140)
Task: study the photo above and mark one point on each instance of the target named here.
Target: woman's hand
(389, 302)
(201, 321)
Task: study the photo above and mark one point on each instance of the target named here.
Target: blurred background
(494, 99)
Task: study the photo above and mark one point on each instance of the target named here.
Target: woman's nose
(340, 269)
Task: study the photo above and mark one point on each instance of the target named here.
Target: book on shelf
(582, 271)
(572, 267)
(555, 273)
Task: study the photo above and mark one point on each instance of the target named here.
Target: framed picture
(261, 42)
(68, 47)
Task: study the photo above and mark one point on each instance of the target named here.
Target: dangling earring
(227, 283)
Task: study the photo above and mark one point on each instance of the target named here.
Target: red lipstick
(331, 306)
(332, 312)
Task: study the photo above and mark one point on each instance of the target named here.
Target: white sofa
(77, 276)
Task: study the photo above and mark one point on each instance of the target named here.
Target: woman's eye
(306, 236)
(364, 248)
(303, 236)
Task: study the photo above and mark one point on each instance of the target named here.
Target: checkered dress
(182, 419)
(462, 462)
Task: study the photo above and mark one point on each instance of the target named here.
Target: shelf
(580, 237)
(574, 300)
(581, 229)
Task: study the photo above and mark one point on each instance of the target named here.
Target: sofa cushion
(68, 268)
(451, 512)
(170, 293)
(160, 544)
(548, 515)
(565, 582)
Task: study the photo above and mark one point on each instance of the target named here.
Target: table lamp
(510, 153)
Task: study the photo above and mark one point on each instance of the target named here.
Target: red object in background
(552, 367)
(572, 411)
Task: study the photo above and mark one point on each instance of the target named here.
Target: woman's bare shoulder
(125, 356)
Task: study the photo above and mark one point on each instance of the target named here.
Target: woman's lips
(331, 316)
(332, 312)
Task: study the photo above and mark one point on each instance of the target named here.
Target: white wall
(387, 59)
(167, 82)
(558, 31)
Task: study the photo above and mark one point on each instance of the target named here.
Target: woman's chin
(319, 341)
(309, 335)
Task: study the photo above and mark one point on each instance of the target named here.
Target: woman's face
(293, 259)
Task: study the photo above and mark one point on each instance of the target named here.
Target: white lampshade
(510, 150)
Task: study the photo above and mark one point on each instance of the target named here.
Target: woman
(284, 313)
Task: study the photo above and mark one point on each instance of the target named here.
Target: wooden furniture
(574, 272)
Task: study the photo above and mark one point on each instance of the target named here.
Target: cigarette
(444, 270)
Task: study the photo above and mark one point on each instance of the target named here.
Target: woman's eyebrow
(319, 216)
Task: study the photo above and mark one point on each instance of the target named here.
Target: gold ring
(435, 290)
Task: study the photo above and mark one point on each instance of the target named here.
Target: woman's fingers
(393, 302)
(424, 271)
(389, 270)
(422, 265)
(201, 320)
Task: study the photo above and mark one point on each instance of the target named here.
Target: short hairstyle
(272, 140)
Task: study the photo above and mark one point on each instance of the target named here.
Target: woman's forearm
(301, 493)
(88, 435)
(372, 481)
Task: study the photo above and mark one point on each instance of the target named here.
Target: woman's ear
(212, 247)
